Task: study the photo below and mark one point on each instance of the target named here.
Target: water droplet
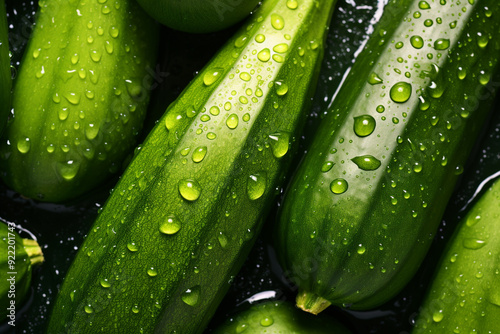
(222, 240)
(114, 32)
(214, 110)
(191, 296)
(279, 143)
(109, 47)
(428, 23)
(374, 79)
(482, 40)
(24, 145)
(364, 125)
(361, 249)
(380, 109)
(260, 38)
(91, 131)
(211, 135)
(424, 5)
(473, 220)
(281, 48)
(367, 162)
(277, 58)
(152, 272)
(36, 53)
(472, 243)
(281, 88)
(400, 92)
(245, 76)
(417, 42)
(232, 121)
(327, 166)
(277, 21)
(266, 322)
(135, 309)
(442, 44)
(172, 119)
(132, 246)
(241, 41)
(211, 76)
(105, 283)
(88, 309)
(292, 4)
(72, 98)
(399, 45)
(339, 186)
(190, 190)
(171, 225)
(95, 56)
(68, 169)
(199, 154)
(437, 316)
(256, 185)
(264, 55)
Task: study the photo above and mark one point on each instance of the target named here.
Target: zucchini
(184, 215)
(464, 296)
(360, 213)
(79, 98)
(5, 74)
(279, 317)
(18, 257)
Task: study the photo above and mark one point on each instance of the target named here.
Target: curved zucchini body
(5, 74)
(80, 97)
(361, 211)
(185, 213)
(17, 258)
(465, 295)
(278, 317)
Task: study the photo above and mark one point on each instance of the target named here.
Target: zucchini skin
(354, 236)
(5, 73)
(279, 317)
(26, 254)
(465, 296)
(80, 97)
(186, 212)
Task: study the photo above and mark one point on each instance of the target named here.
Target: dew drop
(367, 162)
(374, 79)
(256, 185)
(245, 76)
(72, 98)
(327, 166)
(424, 5)
(190, 190)
(264, 55)
(88, 309)
(364, 125)
(339, 186)
(260, 38)
(281, 48)
(132, 246)
(68, 169)
(105, 283)
(277, 21)
(211, 76)
(417, 42)
(232, 121)
(281, 88)
(191, 296)
(279, 143)
(199, 154)
(266, 322)
(441, 44)
(400, 92)
(171, 225)
(152, 272)
(292, 4)
(437, 316)
(472, 243)
(24, 145)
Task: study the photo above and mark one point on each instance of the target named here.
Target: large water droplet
(339, 186)
(364, 125)
(417, 42)
(211, 76)
(190, 190)
(472, 243)
(171, 225)
(266, 321)
(132, 246)
(374, 79)
(277, 21)
(279, 143)
(400, 92)
(199, 154)
(232, 121)
(68, 169)
(256, 185)
(191, 296)
(327, 166)
(24, 145)
(367, 162)
(442, 44)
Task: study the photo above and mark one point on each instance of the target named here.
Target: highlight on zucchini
(185, 214)
(361, 211)
(80, 97)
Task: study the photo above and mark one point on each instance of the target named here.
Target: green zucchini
(185, 213)
(18, 257)
(464, 296)
(279, 317)
(79, 98)
(360, 213)
(5, 74)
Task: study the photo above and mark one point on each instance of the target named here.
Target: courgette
(18, 256)
(79, 98)
(464, 296)
(279, 317)
(5, 74)
(185, 213)
(361, 211)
